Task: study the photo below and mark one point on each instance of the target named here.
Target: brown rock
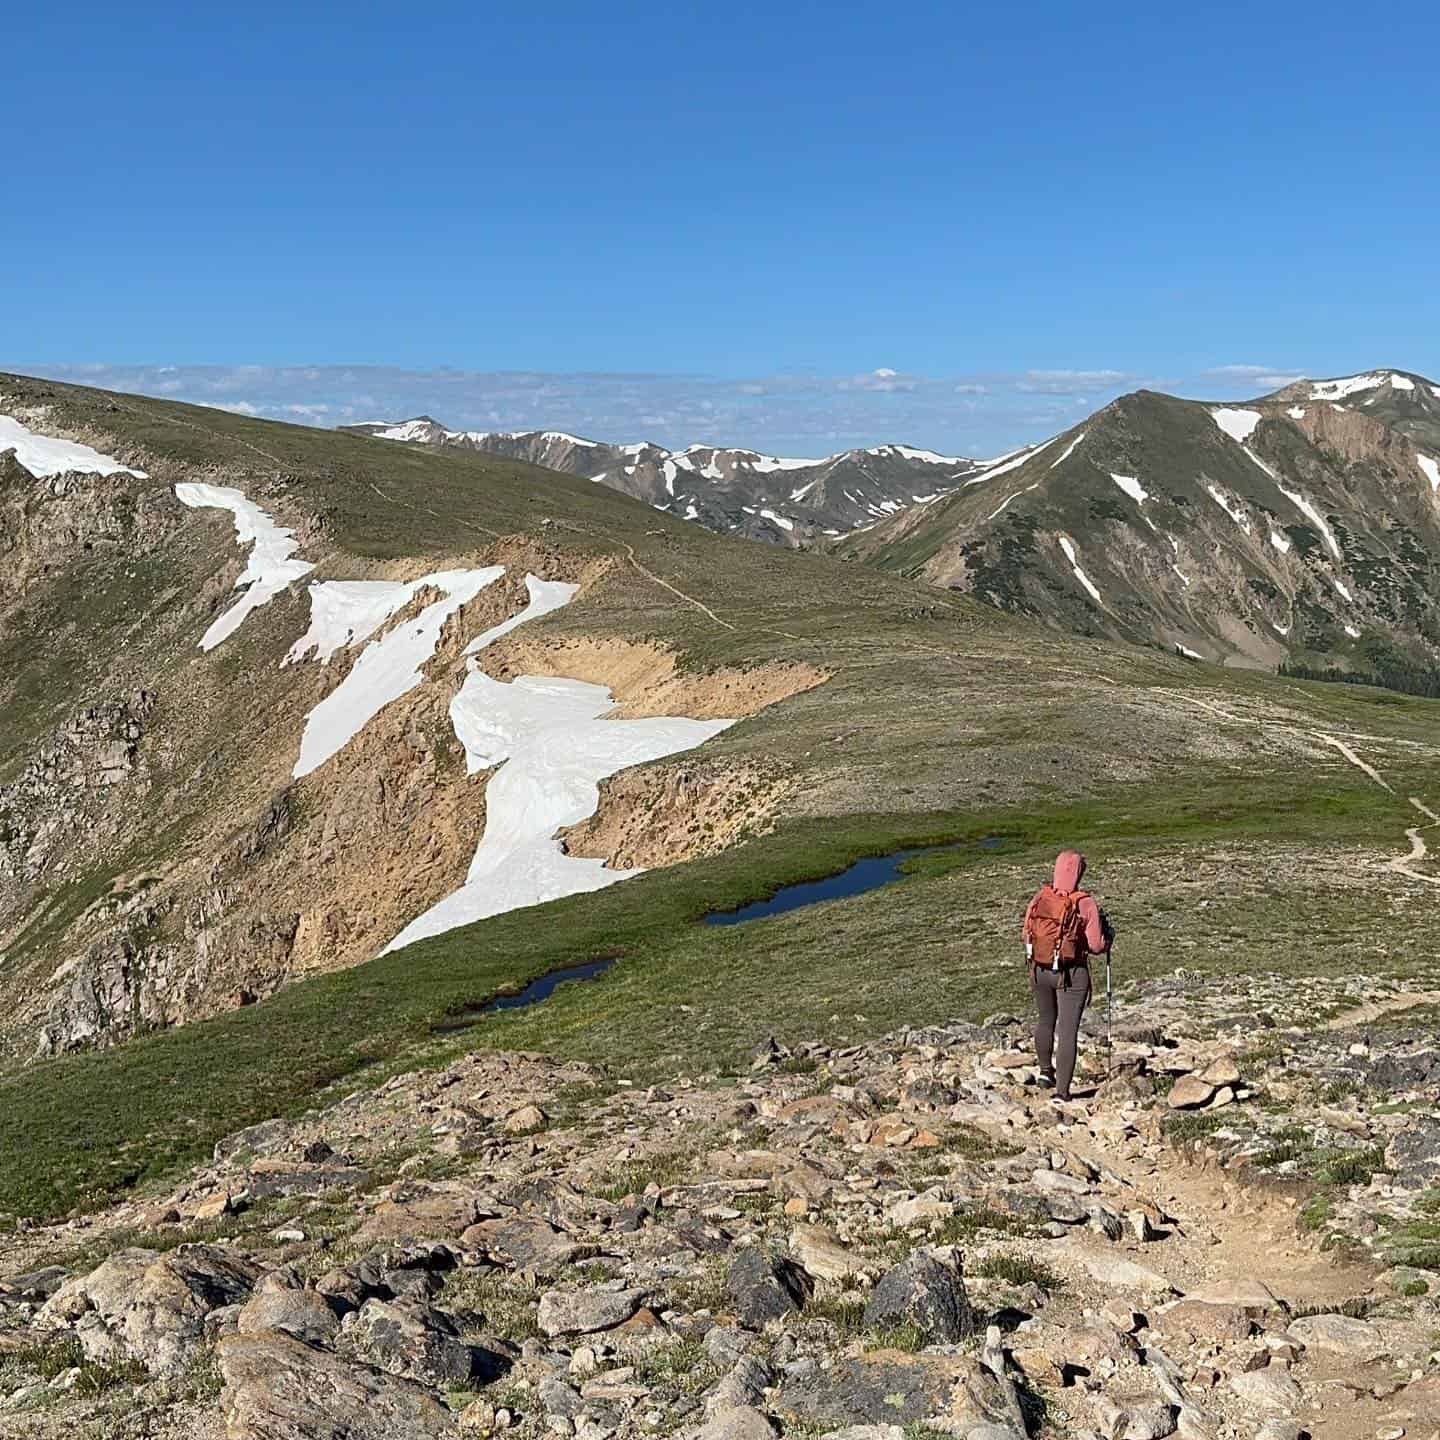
(1189, 1093)
(442, 1211)
(212, 1207)
(1038, 1366)
(525, 1120)
(1221, 1072)
(1194, 1320)
(823, 1256)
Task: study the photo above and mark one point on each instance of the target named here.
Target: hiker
(1063, 928)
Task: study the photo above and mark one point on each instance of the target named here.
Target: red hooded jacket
(1069, 867)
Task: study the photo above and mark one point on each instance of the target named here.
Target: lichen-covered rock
(422, 1343)
(766, 1287)
(582, 1312)
(924, 1292)
(278, 1388)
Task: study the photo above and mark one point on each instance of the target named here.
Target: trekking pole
(1109, 1043)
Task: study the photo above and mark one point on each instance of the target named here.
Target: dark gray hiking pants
(1059, 1007)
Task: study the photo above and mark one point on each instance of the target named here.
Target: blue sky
(613, 217)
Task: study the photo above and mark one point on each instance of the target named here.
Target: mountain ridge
(729, 489)
(1271, 532)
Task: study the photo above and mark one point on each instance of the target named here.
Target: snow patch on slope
(44, 455)
(387, 668)
(764, 464)
(1307, 509)
(1356, 384)
(1131, 485)
(1069, 450)
(1068, 547)
(553, 750)
(1010, 462)
(908, 452)
(271, 566)
(545, 596)
(1430, 468)
(345, 612)
(1234, 510)
(1005, 502)
(1237, 424)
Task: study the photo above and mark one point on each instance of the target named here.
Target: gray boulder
(164, 1322)
(583, 1312)
(1414, 1155)
(741, 1423)
(1270, 1391)
(880, 1388)
(766, 1287)
(419, 1342)
(744, 1385)
(1338, 1335)
(926, 1293)
(278, 1388)
(305, 1314)
(558, 1398)
(104, 1290)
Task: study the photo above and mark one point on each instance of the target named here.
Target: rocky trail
(1234, 1236)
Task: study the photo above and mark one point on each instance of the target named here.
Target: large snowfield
(547, 735)
(553, 749)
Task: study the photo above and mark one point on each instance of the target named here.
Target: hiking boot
(1047, 1079)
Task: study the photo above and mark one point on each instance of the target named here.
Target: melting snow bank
(545, 596)
(1068, 547)
(272, 565)
(44, 456)
(1237, 424)
(555, 750)
(388, 667)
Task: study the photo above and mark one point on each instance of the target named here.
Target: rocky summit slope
(1302, 528)
(731, 491)
(1231, 1238)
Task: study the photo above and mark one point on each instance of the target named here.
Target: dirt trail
(1401, 865)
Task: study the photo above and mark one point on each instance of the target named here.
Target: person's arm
(1095, 941)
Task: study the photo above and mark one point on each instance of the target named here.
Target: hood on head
(1069, 867)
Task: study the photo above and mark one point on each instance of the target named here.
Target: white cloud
(1261, 377)
(979, 413)
(1070, 382)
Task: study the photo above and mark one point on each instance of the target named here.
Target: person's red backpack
(1056, 928)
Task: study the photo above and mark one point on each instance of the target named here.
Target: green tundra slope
(143, 911)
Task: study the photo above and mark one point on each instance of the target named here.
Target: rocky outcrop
(55, 795)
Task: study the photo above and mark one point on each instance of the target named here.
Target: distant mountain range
(1301, 528)
(731, 491)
